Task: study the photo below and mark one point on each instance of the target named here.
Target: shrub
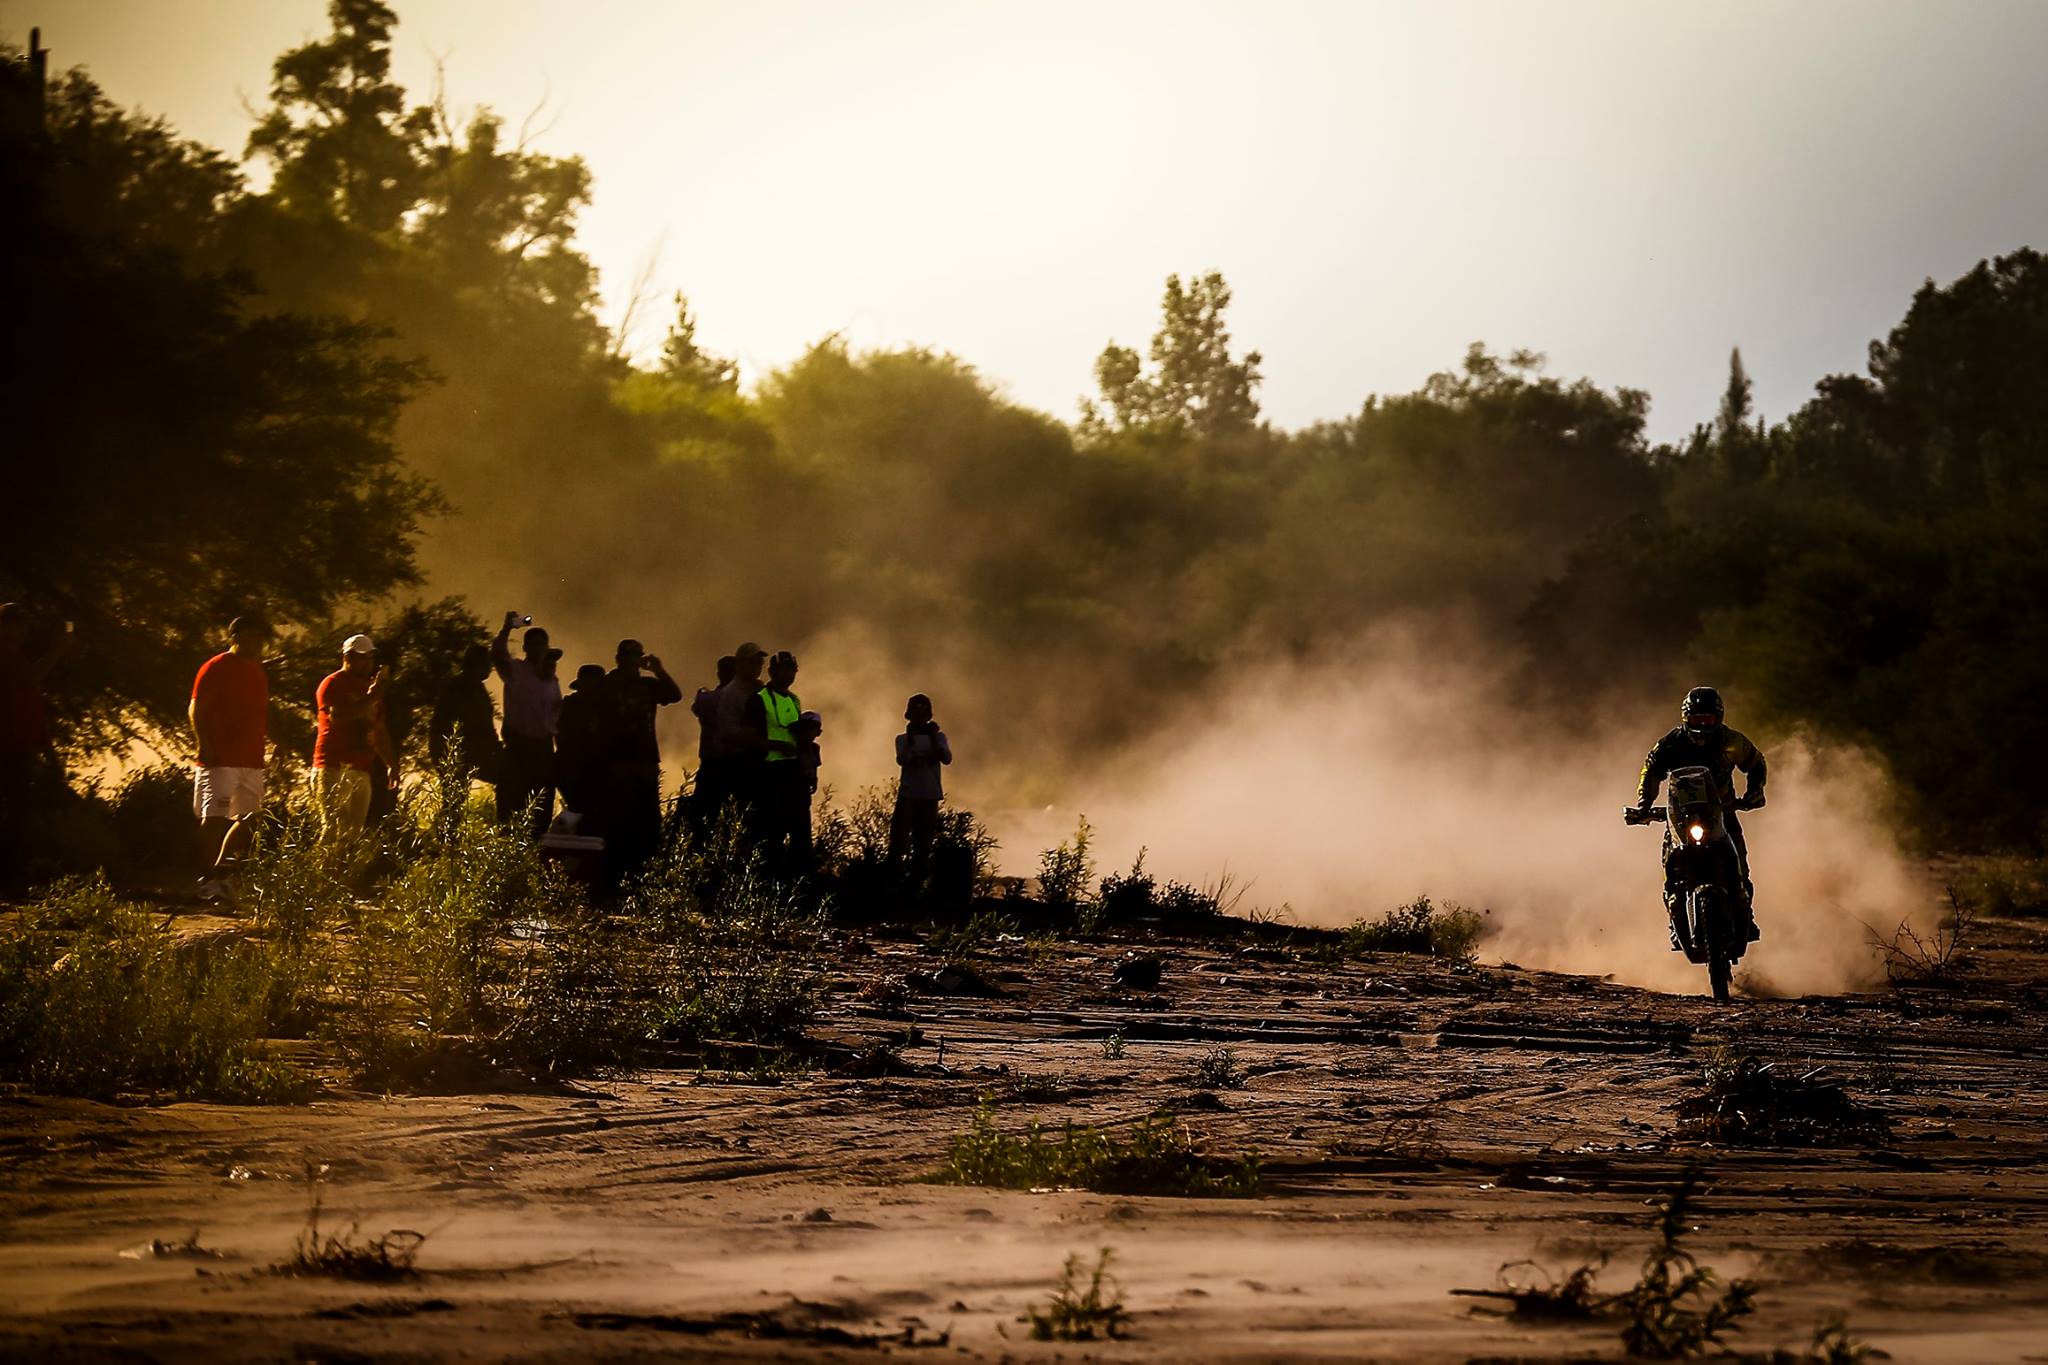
(1745, 1101)
(1419, 927)
(963, 858)
(856, 836)
(1673, 1311)
(1218, 1070)
(586, 999)
(97, 998)
(447, 911)
(297, 897)
(1159, 1157)
(1935, 959)
(1078, 1313)
(1066, 871)
(966, 941)
(2004, 887)
(151, 816)
(739, 957)
(346, 1255)
(1537, 1293)
(1137, 895)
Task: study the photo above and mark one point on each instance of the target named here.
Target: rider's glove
(1753, 801)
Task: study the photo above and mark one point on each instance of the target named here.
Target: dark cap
(783, 656)
(249, 625)
(750, 650)
(590, 675)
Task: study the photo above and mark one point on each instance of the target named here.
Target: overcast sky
(1630, 188)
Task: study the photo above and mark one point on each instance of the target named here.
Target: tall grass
(736, 955)
(99, 998)
(426, 952)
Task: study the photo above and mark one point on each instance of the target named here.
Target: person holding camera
(533, 710)
(632, 776)
(351, 741)
(921, 750)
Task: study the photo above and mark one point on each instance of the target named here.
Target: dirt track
(1417, 1126)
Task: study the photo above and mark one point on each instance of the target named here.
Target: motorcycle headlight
(1698, 833)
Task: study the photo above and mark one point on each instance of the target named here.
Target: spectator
(30, 774)
(705, 796)
(580, 744)
(351, 739)
(809, 727)
(739, 737)
(462, 737)
(632, 785)
(920, 751)
(782, 805)
(230, 715)
(533, 708)
(396, 704)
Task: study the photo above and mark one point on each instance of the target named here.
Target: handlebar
(1656, 815)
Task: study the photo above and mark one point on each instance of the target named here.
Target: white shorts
(226, 793)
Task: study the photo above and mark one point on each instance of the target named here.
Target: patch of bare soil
(1417, 1125)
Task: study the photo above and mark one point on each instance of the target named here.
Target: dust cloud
(1404, 764)
(1345, 787)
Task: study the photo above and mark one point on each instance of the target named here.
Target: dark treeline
(380, 379)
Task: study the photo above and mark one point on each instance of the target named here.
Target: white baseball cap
(359, 644)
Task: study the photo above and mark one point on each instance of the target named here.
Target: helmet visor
(1704, 721)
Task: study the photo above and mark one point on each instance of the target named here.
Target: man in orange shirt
(230, 719)
(351, 738)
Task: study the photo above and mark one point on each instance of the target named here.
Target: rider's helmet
(1701, 714)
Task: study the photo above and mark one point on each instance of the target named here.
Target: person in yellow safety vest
(783, 809)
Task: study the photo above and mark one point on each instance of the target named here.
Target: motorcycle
(1703, 885)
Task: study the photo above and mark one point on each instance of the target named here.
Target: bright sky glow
(1630, 188)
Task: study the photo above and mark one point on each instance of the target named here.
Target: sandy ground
(1418, 1125)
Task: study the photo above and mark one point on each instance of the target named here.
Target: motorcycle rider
(1702, 740)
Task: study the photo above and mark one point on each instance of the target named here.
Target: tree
(687, 363)
(338, 134)
(1193, 387)
(194, 456)
(1733, 418)
(501, 217)
(1741, 447)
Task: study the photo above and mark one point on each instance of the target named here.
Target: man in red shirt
(352, 736)
(230, 715)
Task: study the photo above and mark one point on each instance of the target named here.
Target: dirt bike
(1703, 888)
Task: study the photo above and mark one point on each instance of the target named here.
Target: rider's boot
(1749, 912)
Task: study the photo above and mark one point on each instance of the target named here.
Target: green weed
(1084, 1306)
(1218, 1070)
(1066, 871)
(1158, 1157)
(1674, 1310)
(98, 998)
(968, 940)
(1420, 926)
(347, 1255)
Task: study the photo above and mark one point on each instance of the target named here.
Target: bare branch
(638, 299)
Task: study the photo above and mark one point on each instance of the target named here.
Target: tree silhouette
(1193, 387)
